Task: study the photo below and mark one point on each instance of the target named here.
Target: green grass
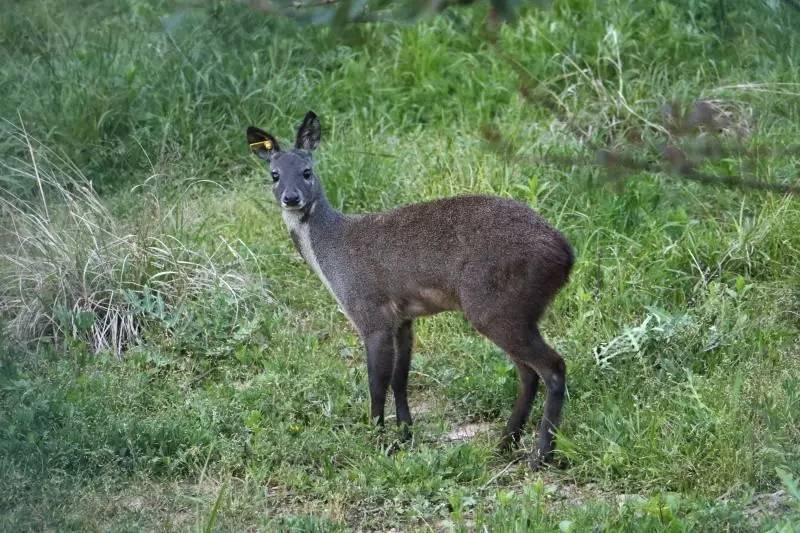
(679, 325)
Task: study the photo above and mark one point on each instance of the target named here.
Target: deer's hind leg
(528, 384)
(521, 340)
(551, 368)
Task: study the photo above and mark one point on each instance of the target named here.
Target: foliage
(679, 325)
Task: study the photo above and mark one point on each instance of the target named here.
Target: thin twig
(500, 473)
(686, 172)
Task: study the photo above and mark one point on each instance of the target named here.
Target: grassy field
(239, 399)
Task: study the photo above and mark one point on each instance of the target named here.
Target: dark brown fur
(493, 259)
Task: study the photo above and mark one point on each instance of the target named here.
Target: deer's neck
(317, 234)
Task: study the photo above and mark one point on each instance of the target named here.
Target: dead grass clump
(70, 270)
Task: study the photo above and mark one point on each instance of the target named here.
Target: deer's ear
(309, 133)
(262, 143)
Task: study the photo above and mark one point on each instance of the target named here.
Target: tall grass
(70, 270)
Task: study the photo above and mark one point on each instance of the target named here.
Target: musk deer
(494, 259)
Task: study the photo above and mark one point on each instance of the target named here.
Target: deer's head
(294, 183)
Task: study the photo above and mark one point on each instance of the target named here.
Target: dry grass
(70, 270)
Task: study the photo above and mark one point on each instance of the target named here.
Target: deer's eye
(307, 173)
(275, 175)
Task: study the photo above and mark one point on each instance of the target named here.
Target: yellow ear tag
(267, 144)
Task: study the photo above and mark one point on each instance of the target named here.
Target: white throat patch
(302, 234)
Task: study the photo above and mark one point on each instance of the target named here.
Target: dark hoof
(394, 447)
(404, 432)
(507, 445)
(539, 460)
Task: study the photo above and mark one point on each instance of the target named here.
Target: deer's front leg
(380, 363)
(404, 339)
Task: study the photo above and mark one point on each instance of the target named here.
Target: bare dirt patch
(467, 431)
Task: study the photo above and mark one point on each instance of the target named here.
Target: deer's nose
(291, 199)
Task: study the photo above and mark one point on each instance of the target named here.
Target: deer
(493, 259)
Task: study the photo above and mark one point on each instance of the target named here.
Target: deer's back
(430, 251)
